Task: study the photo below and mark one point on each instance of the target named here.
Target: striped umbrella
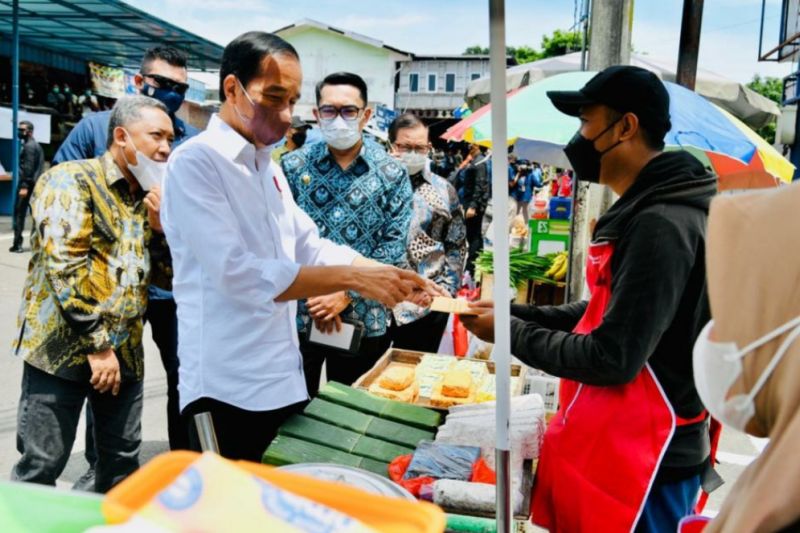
(539, 131)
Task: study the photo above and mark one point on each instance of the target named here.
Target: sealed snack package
(443, 461)
(215, 495)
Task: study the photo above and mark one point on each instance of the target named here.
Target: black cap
(299, 124)
(625, 89)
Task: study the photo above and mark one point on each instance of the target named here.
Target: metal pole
(14, 104)
(761, 29)
(206, 433)
(502, 294)
(585, 33)
(690, 43)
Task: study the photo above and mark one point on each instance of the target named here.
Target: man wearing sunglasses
(361, 197)
(162, 76)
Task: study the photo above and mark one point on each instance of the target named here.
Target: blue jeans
(47, 420)
(667, 503)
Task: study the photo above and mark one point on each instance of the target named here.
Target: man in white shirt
(243, 252)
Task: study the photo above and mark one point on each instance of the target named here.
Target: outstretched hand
(482, 324)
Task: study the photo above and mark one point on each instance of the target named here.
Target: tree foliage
(772, 88)
(559, 43)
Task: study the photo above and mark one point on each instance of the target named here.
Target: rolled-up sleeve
(199, 222)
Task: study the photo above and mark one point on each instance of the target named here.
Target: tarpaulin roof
(108, 32)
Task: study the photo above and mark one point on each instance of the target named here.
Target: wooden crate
(412, 359)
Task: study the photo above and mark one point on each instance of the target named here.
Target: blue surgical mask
(169, 98)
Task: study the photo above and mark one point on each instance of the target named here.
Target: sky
(728, 43)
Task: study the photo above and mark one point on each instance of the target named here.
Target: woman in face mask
(747, 360)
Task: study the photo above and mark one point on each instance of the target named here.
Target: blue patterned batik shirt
(367, 206)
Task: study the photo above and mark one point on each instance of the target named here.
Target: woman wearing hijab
(747, 360)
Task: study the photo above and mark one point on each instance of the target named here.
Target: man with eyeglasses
(437, 242)
(163, 76)
(361, 197)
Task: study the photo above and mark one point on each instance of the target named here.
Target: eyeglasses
(422, 149)
(166, 83)
(347, 112)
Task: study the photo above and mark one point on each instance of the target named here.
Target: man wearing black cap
(295, 138)
(630, 441)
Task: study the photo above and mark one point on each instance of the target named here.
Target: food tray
(397, 356)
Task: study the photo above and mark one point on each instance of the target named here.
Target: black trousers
(474, 240)
(241, 434)
(21, 206)
(423, 335)
(342, 368)
(163, 318)
(49, 410)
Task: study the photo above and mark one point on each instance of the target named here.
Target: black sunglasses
(166, 83)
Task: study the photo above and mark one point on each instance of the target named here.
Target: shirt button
(306, 179)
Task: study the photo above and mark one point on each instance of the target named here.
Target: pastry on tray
(407, 395)
(443, 401)
(396, 378)
(457, 383)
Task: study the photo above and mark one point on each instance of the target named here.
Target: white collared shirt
(237, 240)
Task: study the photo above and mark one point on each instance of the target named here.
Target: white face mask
(148, 173)
(339, 133)
(414, 162)
(717, 366)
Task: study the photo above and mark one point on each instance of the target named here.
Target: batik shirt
(437, 242)
(367, 206)
(86, 289)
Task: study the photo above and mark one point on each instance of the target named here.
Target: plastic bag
(397, 471)
(442, 461)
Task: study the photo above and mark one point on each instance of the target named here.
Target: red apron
(602, 449)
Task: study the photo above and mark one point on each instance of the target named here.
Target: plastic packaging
(442, 461)
(391, 515)
(466, 425)
(470, 498)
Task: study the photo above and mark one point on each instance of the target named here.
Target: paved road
(736, 450)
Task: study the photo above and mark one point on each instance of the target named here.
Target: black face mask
(584, 157)
(299, 138)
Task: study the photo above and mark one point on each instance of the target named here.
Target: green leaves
(522, 266)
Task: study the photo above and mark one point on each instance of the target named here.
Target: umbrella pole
(502, 315)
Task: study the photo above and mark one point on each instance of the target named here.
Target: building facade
(432, 87)
(324, 50)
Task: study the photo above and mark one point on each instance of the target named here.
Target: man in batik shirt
(437, 243)
(360, 197)
(80, 323)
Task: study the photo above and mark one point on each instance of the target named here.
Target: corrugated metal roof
(109, 32)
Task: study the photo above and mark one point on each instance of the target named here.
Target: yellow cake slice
(438, 399)
(456, 383)
(396, 378)
(407, 395)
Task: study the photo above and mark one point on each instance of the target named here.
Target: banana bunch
(558, 269)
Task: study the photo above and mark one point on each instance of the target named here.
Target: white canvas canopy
(747, 105)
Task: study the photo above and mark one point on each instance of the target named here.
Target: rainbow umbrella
(539, 131)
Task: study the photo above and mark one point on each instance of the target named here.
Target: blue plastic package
(442, 461)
